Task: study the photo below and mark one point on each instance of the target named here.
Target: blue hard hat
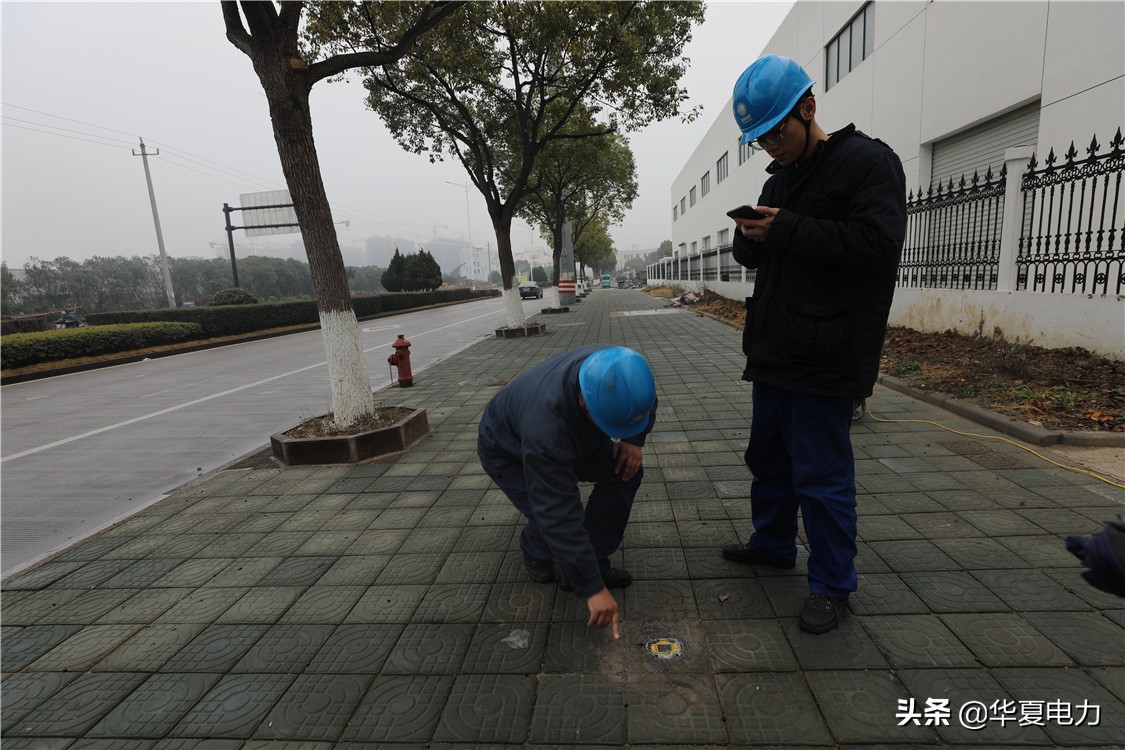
(619, 391)
(766, 92)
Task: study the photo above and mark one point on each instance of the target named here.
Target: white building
(950, 86)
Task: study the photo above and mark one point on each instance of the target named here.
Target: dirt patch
(323, 426)
(1058, 389)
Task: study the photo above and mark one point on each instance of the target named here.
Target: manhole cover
(665, 648)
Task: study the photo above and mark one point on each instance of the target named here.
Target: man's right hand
(603, 612)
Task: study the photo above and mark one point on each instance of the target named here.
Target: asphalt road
(81, 451)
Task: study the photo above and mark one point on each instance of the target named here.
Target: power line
(65, 130)
(80, 122)
(60, 135)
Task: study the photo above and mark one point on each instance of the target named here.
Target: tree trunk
(288, 99)
(502, 225)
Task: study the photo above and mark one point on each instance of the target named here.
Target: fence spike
(976, 178)
(1093, 149)
(1049, 163)
(1070, 154)
(988, 175)
(1116, 143)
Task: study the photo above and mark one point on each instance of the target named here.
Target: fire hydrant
(401, 359)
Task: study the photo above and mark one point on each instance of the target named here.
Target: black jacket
(826, 270)
(536, 422)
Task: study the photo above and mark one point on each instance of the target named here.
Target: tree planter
(351, 449)
(529, 329)
(554, 310)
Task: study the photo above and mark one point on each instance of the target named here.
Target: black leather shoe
(540, 571)
(822, 613)
(741, 553)
(614, 578)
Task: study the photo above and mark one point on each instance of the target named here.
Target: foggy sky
(82, 82)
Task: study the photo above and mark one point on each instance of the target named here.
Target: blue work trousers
(800, 453)
(607, 510)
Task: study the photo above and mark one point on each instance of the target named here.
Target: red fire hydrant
(401, 359)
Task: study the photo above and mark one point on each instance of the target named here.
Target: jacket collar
(819, 151)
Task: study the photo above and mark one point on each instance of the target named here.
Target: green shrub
(24, 349)
(234, 296)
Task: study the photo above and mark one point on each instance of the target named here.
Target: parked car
(530, 290)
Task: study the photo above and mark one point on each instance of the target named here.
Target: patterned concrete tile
(652, 534)
(648, 563)
(426, 648)
(324, 604)
(411, 569)
(203, 606)
(41, 576)
(217, 648)
(706, 533)
(886, 594)
(354, 570)
(747, 645)
(1084, 712)
(234, 707)
(729, 598)
(145, 606)
(913, 555)
(523, 602)
(675, 708)
(1111, 678)
(917, 641)
(769, 707)
(1040, 551)
(193, 573)
(23, 692)
(975, 554)
(23, 645)
(149, 648)
(261, 605)
(953, 591)
(453, 602)
(574, 649)
(1029, 590)
(284, 649)
(578, 709)
(859, 707)
(315, 707)
(709, 563)
(298, 571)
(155, 706)
(399, 709)
(660, 599)
(77, 706)
(508, 648)
(1004, 639)
(82, 650)
(354, 649)
(470, 567)
(847, 647)
(387, 604)
(1087, 638)
(487, 708)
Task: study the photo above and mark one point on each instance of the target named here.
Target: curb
(1028, 433)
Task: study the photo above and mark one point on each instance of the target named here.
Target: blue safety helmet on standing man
(619, 391)
(766, 92)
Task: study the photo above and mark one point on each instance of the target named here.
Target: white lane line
(178, 407)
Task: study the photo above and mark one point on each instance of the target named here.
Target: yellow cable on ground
(1099, 477)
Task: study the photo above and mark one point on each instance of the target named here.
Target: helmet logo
(742, 109)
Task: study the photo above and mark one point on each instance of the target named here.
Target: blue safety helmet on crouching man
(619, 390)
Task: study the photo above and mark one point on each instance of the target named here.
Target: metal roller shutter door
(981, 147)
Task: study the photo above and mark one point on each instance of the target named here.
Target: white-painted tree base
(513, 306)
(347, 369)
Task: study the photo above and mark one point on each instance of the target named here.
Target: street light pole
(468, 225)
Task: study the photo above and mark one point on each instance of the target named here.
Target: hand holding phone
(745, 212)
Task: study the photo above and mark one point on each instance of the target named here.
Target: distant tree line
(103, 284)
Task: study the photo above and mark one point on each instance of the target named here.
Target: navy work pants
(607, 510)
(800, 453)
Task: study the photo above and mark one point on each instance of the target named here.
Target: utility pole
(156, 219)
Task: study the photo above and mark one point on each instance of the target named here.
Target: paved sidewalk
(384, 605)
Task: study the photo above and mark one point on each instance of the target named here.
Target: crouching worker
(582, 415)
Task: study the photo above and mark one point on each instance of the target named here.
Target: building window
(683, 207)
(724, 237)
(744, 152)
(850, 47)
(693, 248)
(691, 196)
(683, 248)
(675, 212)
(705, 184)
(706, 243)
(721, 169)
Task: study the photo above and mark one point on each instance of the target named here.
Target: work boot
(822, 613)
(744, 553)
(614, 578)
(540, 571)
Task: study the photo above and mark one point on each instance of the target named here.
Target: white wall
(939, 68)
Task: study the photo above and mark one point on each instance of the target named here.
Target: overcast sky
(83, 81)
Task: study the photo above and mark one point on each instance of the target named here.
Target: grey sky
(165, 72)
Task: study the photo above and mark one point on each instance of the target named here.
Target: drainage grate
(261, 459)
(482, 382)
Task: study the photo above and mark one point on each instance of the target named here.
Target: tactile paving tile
(387, 604)
(674, 708)
(355, 649)
(23, 645)
(149, 648)
(1075, 689)
(453, 602)
(848, 646)
(425, 648)
(216, 649)
(23, 692)
(917, 641)
(1004, 639)
(651, 563)
(913, 555)
(660, 599)
(884, 594)
(324, 604)
(399, 709)
(850, 702)
(576, 710)
(508, 648)
(960, 687)
(771, 707)
(487, 708)
(749, 646)
(261, 605)
(953, 591)
(284, 649)
(72, 710)
(83, 649)
(1029, 590)
(728, 598)
(315, 707)
(470, 567)
(524, 602)
(410, 569)
(234, 706)
(1086, 637)
(155, 707)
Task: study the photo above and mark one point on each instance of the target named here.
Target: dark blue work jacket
(537, 422)
(826, 270)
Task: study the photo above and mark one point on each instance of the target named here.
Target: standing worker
(582, 415)
(826, 250)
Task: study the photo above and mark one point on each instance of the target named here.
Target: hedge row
(228, 320)
(23, 349)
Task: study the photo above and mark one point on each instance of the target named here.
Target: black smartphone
(745, 212)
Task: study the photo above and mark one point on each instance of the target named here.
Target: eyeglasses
(773, 138)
